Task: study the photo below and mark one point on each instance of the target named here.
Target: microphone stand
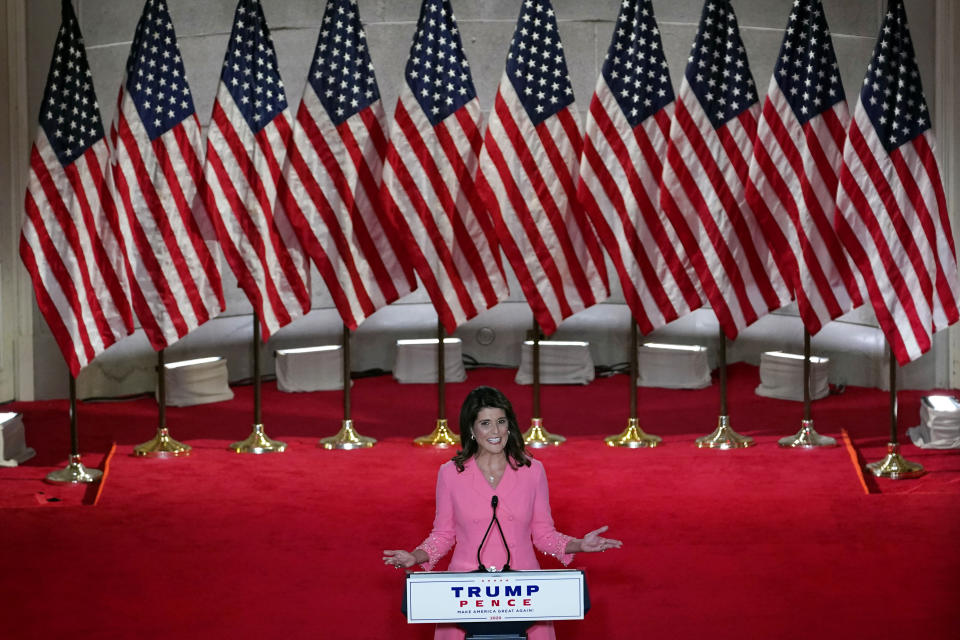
(494, 501)
(505, 630)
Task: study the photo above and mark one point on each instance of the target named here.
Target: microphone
(494, 501)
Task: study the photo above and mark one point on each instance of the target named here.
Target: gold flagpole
(807, 437)
(257, 441)
(536, 436)
(162, 445)
(74, 472)
(633, 436)
(441, 436)
(724, 437)
(347, 438)
(894, 466)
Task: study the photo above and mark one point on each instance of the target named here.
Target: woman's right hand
(398, 558)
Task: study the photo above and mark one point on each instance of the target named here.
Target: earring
(473, 437)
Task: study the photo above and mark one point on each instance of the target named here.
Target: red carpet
(757, 543)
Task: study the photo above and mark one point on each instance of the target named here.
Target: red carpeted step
(760, 542)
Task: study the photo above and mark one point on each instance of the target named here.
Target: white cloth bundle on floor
(561, 362)
(781, 376)
(672, 366)
(13, 443)
(199, 381)
(939, 426)
(417, 361)
(310, 368)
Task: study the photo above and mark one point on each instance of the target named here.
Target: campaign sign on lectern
(449, 597)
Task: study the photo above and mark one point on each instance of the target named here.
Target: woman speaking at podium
(492, 462)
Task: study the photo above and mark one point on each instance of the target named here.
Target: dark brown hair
(489, 398)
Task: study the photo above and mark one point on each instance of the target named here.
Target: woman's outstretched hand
(593, 542)
(398, 558)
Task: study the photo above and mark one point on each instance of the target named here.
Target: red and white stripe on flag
(793, 172)
(170, 244)
(247, 145)
(527, 176)
(624, 144)
(429, 181)
(705, 175)
(528, 173)
(890, 202)
(68, 240)
(331, 188)
(896, 229)
(73, 254)
(428, 178)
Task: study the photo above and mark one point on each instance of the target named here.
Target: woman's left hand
(593, 541)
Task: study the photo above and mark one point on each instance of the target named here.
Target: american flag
(705, 173)
(68, 242)
(624, 143)
(247, 142)
(793, 173)
(894, 220)
(528, 175)
(156, 169)
(333, 173)
(428, 177)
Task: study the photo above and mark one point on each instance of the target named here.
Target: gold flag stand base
(807, 438)
(724, 437)
(538, 437)
(633, 437)
(74, 473)
(895, 466)
(258, 442)
(441, 437)
(162, 446)
(347, 438)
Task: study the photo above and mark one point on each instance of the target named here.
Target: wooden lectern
(495, 605)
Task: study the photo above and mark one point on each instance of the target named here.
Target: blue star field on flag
(536, 65)
(717, 70)
(342, 73)
(635, 68)
(437, 71)
(70, 115)
(807, 69)
(250, 70)
(892, 92)
(156, 79)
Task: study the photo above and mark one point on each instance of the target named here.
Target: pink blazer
(464, 511)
